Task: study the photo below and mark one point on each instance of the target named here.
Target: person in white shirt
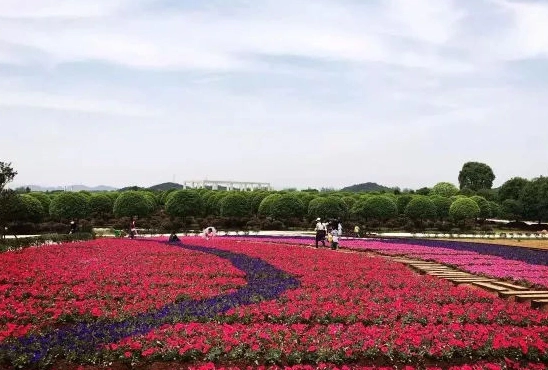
(321, 232)
(209, 232)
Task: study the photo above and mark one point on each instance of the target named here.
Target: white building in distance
(228, 185)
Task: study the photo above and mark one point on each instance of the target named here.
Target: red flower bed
(351, 308)
(108, 278)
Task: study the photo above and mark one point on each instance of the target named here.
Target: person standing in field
(321, 232)
(357, 231)
(335, 233)
(133, 228)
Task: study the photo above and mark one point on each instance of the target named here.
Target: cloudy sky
(298, 93)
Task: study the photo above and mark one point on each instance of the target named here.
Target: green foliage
(184, 203)
(421, 208)
(534, 198)
(266, 206)
(287, 206)
(132, 203)
(377, 207)
(512, 188)
(467, 192)
(32, 210)
(69, 205)
(464, 209)
(489, 194)
(43, 199)
(100, 204)
(445, 189)
(512, 209)
(442, 205)
(349, 201)
(235, 204)
(151, 199)
(402, 201)
(328, 207)
(7, 174)
(255, 199)
(423, 191)
(475, 176)
(496, 209)
(483, 204)
(306, 198)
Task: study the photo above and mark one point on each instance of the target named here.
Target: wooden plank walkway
(504, 289)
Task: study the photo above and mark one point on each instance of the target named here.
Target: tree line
(443, 206)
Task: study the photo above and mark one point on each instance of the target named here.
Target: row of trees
(444, 204)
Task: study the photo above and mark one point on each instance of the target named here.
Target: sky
(297, 93)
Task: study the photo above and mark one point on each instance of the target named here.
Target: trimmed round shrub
(402, 201)
(329, 207)
(421, 208)
(444, 189)
(378, 207)
(43, 199)
(235, 205)
(100, 204)
(32, 210)
(496, 209)
(287, 206)
(69, 205)
(255, 199)
(132, 203)
(483, 204)
(442, 206)
(265, 208)
(464, 209)
(184, 203)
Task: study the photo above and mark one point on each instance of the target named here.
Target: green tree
(402, 201)
(69, 205)
(266, 206)
(378, 207)
(445, 189)
(512, 209)
(235, 204)
(43, 199)
(475, 176)
(512, 188)
(328, 207)
(442, 206)
(100, 205)
(534, 198)
(483, 204)
(131, 203)
(32, 210)
(420, 208)
(287, 206)
(184, 203)
(7, 174)
(255, 200)
(423, 191)
(496, 209)
(464, 209)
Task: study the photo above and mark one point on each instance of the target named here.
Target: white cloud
(59, 8)
(70, 103)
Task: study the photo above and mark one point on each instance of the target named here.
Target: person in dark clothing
(321, 232)
(173, 238)
(73, 227)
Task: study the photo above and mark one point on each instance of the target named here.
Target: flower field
(246, 302)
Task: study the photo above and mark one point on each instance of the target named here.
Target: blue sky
(297, 93)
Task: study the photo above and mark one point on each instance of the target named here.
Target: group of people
(329, 231)
(208, 233)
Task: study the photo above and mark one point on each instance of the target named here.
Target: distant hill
(166, 186)
(366, 187)
(69, 188)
